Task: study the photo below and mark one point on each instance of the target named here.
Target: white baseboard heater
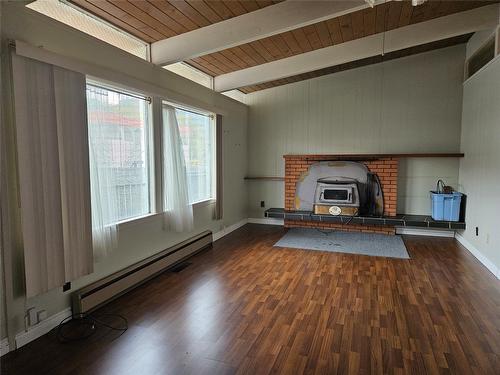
(100, 292)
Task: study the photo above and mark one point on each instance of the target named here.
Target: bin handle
(440, 186)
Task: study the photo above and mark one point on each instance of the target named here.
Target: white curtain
(178, 212)
(53, 167)
(104, 199)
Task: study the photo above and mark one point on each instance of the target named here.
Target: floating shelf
(374, 156)
(423, 221)
(265, 178)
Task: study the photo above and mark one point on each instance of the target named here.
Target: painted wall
(412, 104)
(480, 170)
(141, 239)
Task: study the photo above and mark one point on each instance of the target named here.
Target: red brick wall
(342, 227)
(385, 168)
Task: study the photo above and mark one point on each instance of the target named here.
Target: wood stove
(337, 196)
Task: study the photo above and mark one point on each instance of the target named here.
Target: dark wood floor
(246, 307)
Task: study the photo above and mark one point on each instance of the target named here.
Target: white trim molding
(229, 229)
(425, 232)
(41, 328)
(4, 346)
(479, 256)
(266, 220)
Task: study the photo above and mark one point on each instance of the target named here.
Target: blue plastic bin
(446, 206)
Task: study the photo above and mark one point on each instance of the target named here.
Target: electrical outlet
(66, 286)
(41, 315)
(262, 204)
(477, 231)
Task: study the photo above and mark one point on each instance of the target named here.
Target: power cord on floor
(326, 232)
(79, 327)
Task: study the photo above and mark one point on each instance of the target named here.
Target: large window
(119, 139)
(197, 132)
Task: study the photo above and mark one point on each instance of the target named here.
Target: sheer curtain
(104, 198)
(178, 215)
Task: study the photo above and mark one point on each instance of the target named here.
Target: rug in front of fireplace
(373, 244)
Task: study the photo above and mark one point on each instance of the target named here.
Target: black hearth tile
(357, 220)
(294, 216)
(394, 222)
(275, 215)
(439, 224)
(331, 219)
(373, 221)
(457, 225)
(416, 223)
(419, 218)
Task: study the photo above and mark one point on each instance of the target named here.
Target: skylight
(82, 21)
(193, 74)
(236, 95)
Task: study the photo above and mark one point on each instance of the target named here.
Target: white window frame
(98, 20)
(152, 164)
(212, 115)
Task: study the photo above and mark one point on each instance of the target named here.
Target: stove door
(333, 194)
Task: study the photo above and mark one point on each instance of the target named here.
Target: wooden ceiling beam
(248, 27)
(405, 37)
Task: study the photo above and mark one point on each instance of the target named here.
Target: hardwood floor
(246, 307)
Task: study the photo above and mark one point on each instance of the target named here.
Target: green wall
(140, 239)
(408, 105)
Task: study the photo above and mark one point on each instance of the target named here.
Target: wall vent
(481, 57)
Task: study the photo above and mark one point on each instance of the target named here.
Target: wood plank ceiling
(153, 20)
(359, 63)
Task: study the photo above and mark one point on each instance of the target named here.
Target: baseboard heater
(100, 292)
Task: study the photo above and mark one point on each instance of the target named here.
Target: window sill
(151, 217)
(206, 202)
(137, 220)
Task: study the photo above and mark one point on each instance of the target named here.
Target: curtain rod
(145, 98)
(190, 111)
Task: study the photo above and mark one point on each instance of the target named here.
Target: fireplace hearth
(385, 166)
(330, 186)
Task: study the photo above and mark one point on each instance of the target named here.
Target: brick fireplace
(385, 167)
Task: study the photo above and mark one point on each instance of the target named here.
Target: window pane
(118, 135)
(187, 71)
(198, 143)
(74, 17)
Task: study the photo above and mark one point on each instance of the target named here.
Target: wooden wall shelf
(264, 178)
(333, 157)
(374, 156)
